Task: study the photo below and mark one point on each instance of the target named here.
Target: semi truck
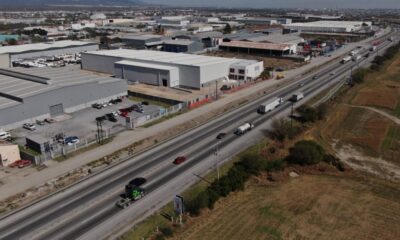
(297, 97)
(244, 128)
(356, 58)
(132, 194)
(354, 52)
(346, 59)
(270, 105)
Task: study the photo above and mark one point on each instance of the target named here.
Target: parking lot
(82, 124)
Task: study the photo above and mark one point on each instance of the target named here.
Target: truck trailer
(346, 59)
(132, 194)
(297, 97)
(244, 128)
(356, 58)
(270, 105)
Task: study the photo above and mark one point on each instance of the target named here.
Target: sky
(283, 3)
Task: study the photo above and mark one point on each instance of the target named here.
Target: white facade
(246, 70)
(80, 26)
(327, 26)
(159, 68)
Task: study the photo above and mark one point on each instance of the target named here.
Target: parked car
(100, 119)
(221, 135)
(40, 122)
(225, 88)
(110, 117)
(50, 120)
(145, 103)
(179, 160)
(4, 135)
(138, 181)
(20, 163)
(104, 105)
(71, 140)
(29, 126)
(124, 113)
(279, 69)
(97, 106)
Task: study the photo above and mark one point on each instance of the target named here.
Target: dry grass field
(307, 207)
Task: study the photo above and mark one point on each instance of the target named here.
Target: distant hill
(70, 2)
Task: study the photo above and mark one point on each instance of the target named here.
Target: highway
(76, 211)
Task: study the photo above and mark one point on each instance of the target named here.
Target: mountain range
(71, 2)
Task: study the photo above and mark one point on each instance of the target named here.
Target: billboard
(179, 204)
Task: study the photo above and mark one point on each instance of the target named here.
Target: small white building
(327, 26)
(80, 26)
(9, 153)
(246, 70)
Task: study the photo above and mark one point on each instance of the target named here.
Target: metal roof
(244, 63)
(179, 42)
(141, 37)
(14, 89)
(43, 46)
(162, 57)
(256, 45)
(337, 24)
(283, 38)
(146, 65)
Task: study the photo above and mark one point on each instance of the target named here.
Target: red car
(179, 160)
(124, 113)
(20, 163)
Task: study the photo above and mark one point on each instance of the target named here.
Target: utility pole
(216, 90)
(99, 132)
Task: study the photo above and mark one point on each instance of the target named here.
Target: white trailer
(244, 128)
(297, 97)
(354, 52)
(346, 59)
(372, 48)
(270, 105)
(356, 58)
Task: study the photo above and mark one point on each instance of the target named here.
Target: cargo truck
(270, 105)
(132, 194)
(346, 59)
(356, 58)
(354, 52)
(297, 97)
(244, 128)
(372, 48)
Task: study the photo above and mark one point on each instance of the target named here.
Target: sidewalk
(17, 184)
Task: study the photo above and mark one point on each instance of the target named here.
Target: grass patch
(397, 110)
(392, 139)
(151, 102)
(28, 151)
(148, 227)
(82, 150)
(164, 118)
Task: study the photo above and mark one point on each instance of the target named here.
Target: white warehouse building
(159, 68)
(246, 70)
(327, 26)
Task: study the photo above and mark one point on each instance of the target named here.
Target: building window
(241, 77)
(241, 71)
(257, 68)
(231, 70)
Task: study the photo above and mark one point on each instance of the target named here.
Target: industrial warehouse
(37, 93)
(327, 26)
(10, 54)
(159, 68)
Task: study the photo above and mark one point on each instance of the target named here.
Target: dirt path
(385, 114)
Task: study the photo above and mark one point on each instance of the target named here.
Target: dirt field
(308, 207)
(268, 61)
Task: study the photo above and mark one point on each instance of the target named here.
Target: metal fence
(56, 149)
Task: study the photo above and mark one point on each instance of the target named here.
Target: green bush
(276, 165)
(329, 158)
(283, 129)
(359, 75)
(167, 231)
(307, 114)
(305, 152)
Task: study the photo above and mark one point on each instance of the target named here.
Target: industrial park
(149, 121)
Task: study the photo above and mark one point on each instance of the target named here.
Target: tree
(227, 29)
(265, 74)
(283, 129)
(305, 152)
(308, 114)
(359, 75)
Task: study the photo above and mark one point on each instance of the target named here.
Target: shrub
(322, 111)
(194, 205)
(329, 158)
(359, 75)
(283, 129)
(167, 231)
(275, 165)
(305, 152)
(308, 114)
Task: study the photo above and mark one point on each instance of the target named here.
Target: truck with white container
(346, 59)
(244, 128)
(356, 58)
(372, 48)
(297, 97)
(354, 52)
(269, 105)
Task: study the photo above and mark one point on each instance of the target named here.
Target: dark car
(221, 135)
(279, 69)
(145, 103)
(225, 88)
(315, 77)
(97, 106)
(50, 120)
(100, 119)
(179, 160)
(138, 181)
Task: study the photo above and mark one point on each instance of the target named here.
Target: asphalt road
(73, 213)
